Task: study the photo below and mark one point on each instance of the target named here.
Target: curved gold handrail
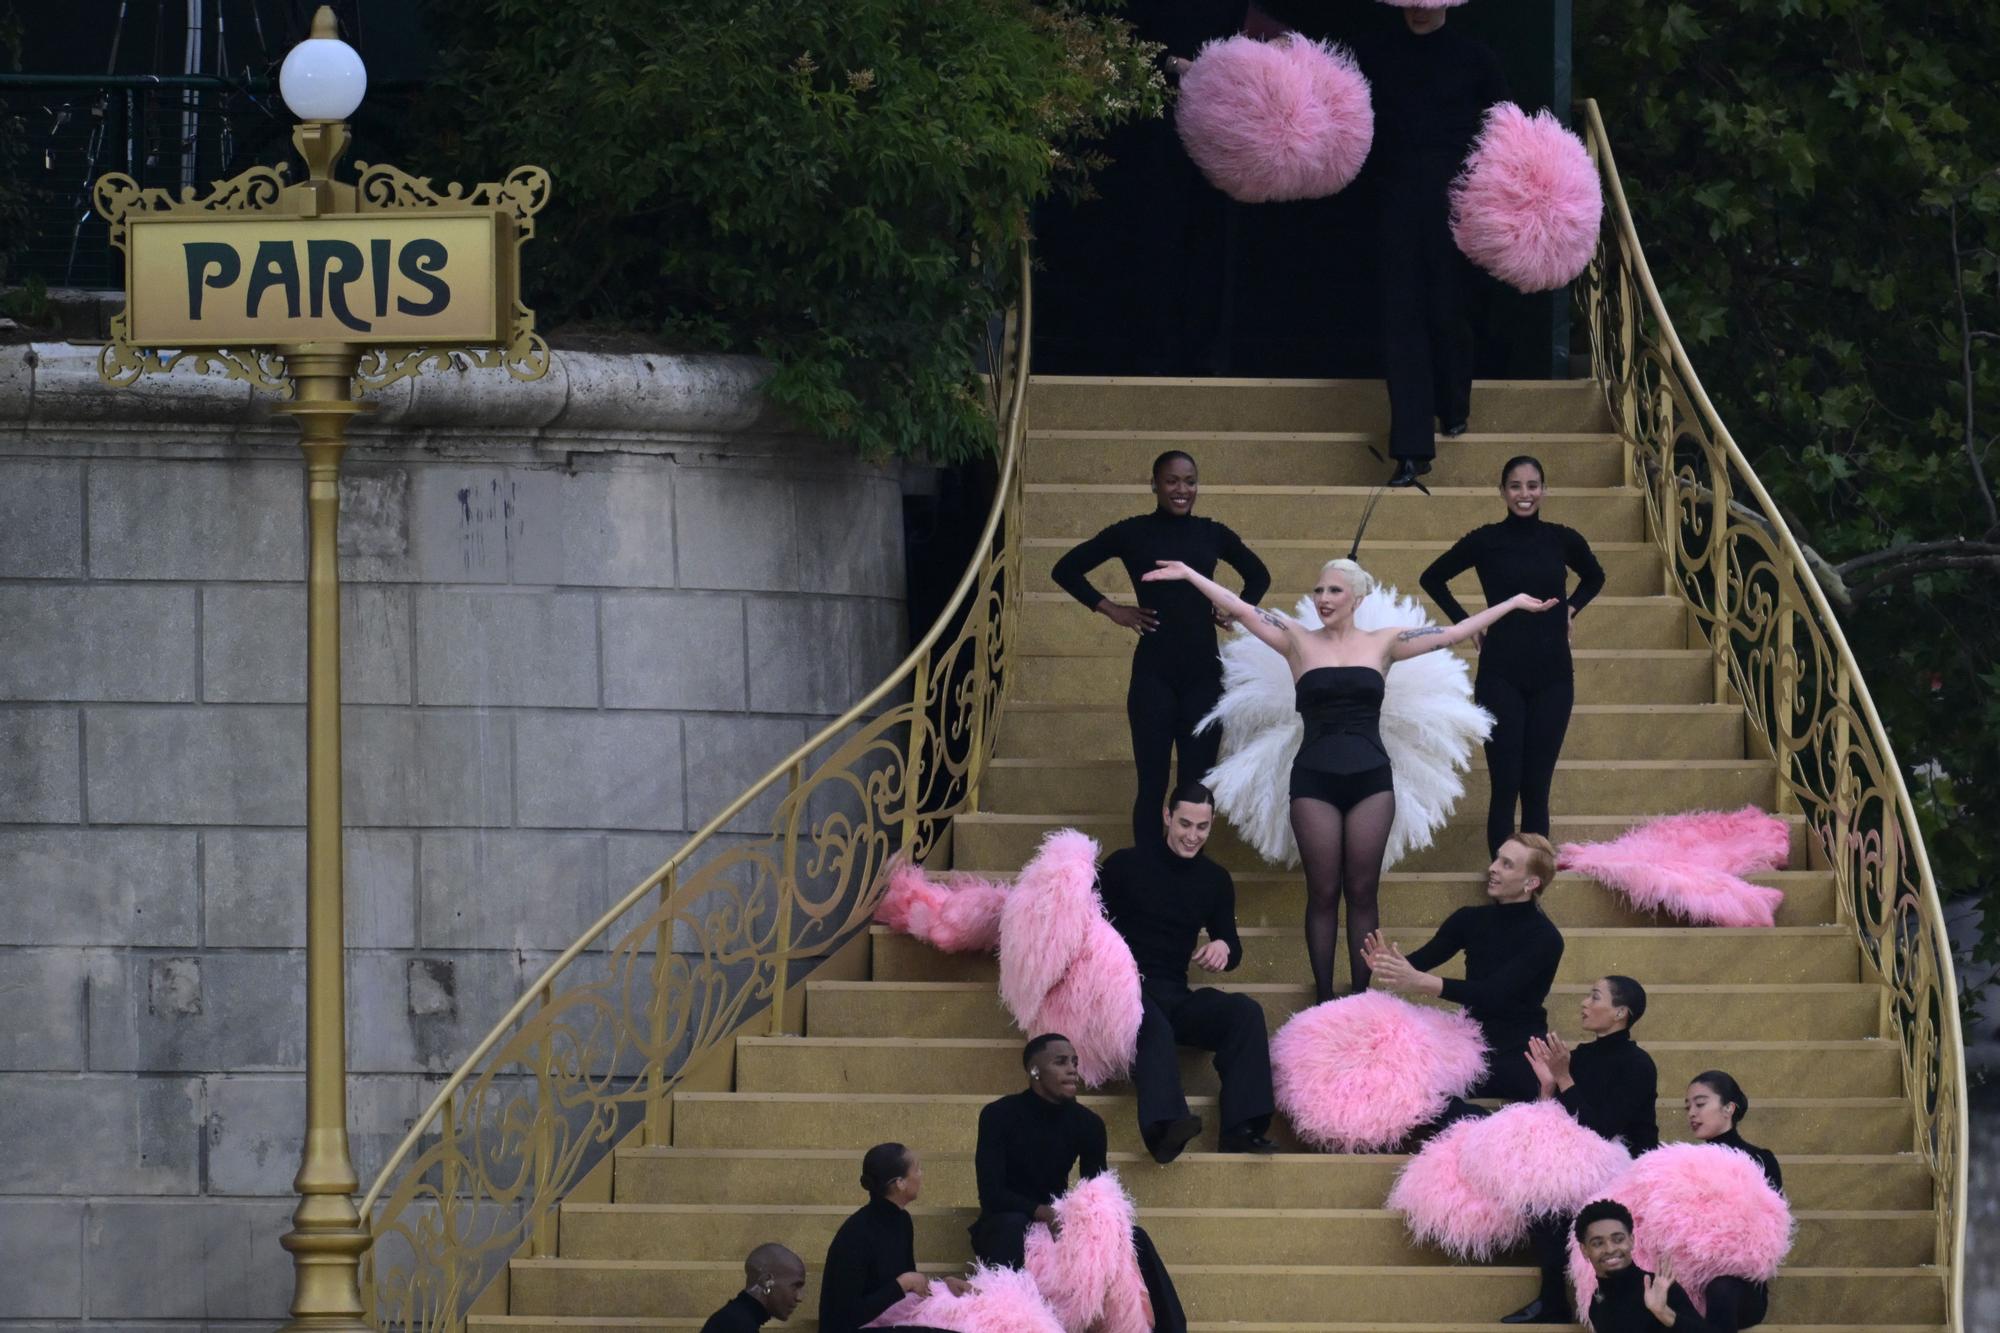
(592, 1048)
(1780, 650)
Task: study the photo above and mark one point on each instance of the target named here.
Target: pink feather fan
(954, 913)
(1691, 865)
(1706, 1209)
(1088, 1271)
(1278, 120)
(1534, 1158)
(1359, 1073)
(1528, 204)
(1441, 1209)
(1002, 1300)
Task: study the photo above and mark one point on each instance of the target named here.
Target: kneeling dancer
(773, 1281)
(1628, 1298)
(1159, 896)
(1511, 951)
(1028, 1141)
(872, 1262)
(1610, 1086)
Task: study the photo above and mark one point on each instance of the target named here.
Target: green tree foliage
(13, 150)
(1817, 183)
(839, 187)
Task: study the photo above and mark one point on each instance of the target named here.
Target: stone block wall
(581, 615)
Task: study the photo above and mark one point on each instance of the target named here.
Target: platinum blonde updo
(1359, 581)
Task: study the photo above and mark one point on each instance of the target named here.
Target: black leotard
(1341, 759)
(1520, 555)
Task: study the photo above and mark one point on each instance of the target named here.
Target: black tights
(1342, 852)
(1528, 729)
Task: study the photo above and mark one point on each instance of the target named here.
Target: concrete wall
(581, 616)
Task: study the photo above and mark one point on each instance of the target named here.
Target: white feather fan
(1429, 726)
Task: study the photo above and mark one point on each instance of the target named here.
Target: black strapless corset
(1342, 708)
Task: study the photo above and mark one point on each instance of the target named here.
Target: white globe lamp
(323, 78)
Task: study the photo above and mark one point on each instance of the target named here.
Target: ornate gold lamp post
(319, 289)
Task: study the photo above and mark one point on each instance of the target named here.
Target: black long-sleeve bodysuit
(1160, 903)
(1176, 673)
(1526, 679)
(1430, 94)
(873, 1248)
(741, 1315)
(1511, 953)
(1620, 1307)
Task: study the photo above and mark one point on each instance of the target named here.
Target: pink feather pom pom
(1534, 1159)
(1528, 204)
(1705, 1209)
(1359, 1073)
(1690, 865)
(1088, 1271)
(1279, 120)
(957, 914)
(1440, 1208)
(1002, 1300)
(1097, 1005)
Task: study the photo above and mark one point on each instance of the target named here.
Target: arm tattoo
(1423, 631)
(1273, 619)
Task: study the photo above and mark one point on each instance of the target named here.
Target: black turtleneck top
(1614, 1091)
(1430, 94)
(1511, 954)
(871, 1250)
(1764, 1157)
(1619, 1306)
(742, 1315)
(1160, 902)
(1512, 556)
(1027, 1144)
(1185, 638)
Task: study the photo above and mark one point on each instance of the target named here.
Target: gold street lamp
(317, 290)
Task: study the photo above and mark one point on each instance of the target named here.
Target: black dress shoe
(1538, 1311)
(1455, 429)
(1408, 470)
(1246, 1141)
(1167, 1140)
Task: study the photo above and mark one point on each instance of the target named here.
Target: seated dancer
(1343, 801)
(872, 1262)
(1716, 1105)
(1159, 897)
(1628, 1298)
(773, 1281)
(1028, 1141)
(1511, 952)
(1609, 1086)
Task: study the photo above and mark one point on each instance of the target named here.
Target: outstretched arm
(1268, 626)
(1428, 638)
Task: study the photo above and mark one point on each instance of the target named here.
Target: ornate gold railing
(707, 943)
(1780, 652)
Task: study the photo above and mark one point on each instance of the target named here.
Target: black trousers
(1426, 334)
(1735, 1302)
(1529, 722)
(1162, 710)
(1549, 1237)
(1230, 1025)
(1509, 1076)
(1002, 1238)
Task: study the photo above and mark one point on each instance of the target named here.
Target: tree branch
(1971, 440)
(1956, 546)
(1934, 564)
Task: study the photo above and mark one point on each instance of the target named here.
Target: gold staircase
(1708, 676)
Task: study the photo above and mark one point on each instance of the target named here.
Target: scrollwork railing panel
(1779, 651)
(703, 947)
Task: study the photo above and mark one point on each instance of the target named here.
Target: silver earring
(1034, 1073)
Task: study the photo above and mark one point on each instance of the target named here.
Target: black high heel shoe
(1407, 471)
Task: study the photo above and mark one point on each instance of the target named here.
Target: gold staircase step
(1055, 624)
(1603, 676)
(1827, 1012)
(1117, 402)
(1582, 786)
(1385, 1294)
(1577, 460)
(992, 1065)
(1596, 731)
(1075, 510)
(824, 1176)
(1217, 1235)
(991, 840)
(1652, 954)
(940, 1122)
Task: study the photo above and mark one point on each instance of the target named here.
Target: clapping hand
(1538, 1061)
(1387, 963)
(1212, 957)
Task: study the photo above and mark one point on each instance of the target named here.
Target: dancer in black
(1511, 953)
(1342, 790)
(773, 1281)
(1628, 1298)
(1526, 679)
(1716, 1105)
(1176, 674)
(872, 1262)
(1610, 1086)
(1431, 87)
(1160, 897)
(1028, 1141)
